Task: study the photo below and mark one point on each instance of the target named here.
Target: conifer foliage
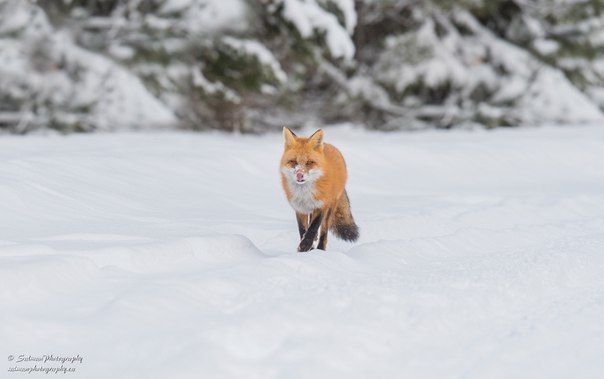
(250, 66)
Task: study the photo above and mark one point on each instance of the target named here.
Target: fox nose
(299, 176)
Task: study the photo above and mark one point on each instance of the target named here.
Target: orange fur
(321, 191)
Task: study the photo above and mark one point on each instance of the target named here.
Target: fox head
(303, 157)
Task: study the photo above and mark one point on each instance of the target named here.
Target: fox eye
(310, 163)
(292, 162)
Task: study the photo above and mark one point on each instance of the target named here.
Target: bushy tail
(343, 225)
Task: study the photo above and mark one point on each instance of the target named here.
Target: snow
(423, 57)
(208, 16)
(551, 93)
(66, 77)
(257, 49)
(173, 255)
(348, 10)
(119, 97)
(546, 46)
(30, 20)
(308, 17)
(211, 88)
(504, 80)
(175, 6)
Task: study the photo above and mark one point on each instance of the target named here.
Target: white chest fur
(303, 198)
(302, 195)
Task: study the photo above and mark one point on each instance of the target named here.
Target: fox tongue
(299, 176)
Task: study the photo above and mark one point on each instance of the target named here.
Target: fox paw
(305, 245)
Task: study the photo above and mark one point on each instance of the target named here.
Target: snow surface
(173, 256)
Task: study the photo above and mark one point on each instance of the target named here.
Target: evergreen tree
(82, 65)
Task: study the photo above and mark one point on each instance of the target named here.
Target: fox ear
(316, 140)
(289, 137)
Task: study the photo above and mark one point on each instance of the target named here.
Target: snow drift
(173, 255)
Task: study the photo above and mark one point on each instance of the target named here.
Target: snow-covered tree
(81, 65)
(48, 80)
(439, 63)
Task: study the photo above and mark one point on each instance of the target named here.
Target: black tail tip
(348, 232)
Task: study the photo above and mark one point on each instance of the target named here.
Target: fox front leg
(324, 228)
(311, 234)
(302, 223)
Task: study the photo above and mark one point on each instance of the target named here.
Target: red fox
(313, 175)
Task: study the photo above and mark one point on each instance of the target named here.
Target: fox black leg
(311, 234)
(302, 223)
(324, 228)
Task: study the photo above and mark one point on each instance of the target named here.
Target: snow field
(173, 255)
